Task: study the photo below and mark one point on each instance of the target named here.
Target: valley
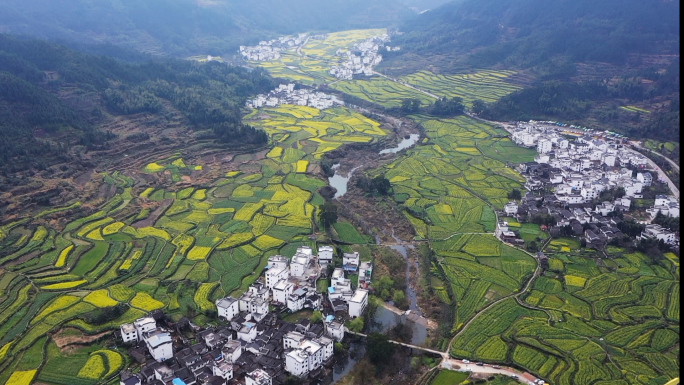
(180, 221)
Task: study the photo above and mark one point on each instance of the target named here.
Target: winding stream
(340, 182)
(405, 143)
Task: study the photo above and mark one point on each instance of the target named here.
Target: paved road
(672, 162)
(661, 174)
(459, 365)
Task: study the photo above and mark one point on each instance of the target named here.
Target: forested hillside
(53, 98)
(190, 27)
(526, 33)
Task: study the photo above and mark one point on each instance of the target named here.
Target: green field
(485, 85)
(594, 325)
(449, 377)
(382, 91)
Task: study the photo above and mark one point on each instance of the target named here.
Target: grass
(449, 377)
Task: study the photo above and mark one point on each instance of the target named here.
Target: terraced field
(381, 91)
(486, 85)
(202, 242)
(616, 322)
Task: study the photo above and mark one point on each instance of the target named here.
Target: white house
(159, 344)
(282, 290)
(327, 345)
(223, 369)
(258, 308)
(277, 262)
(128, 333)
(544, 146)
(227, 308)
(143, 325)
(275, 274)
(365, 272)
(335, 330)
(658, 232)
(295, 301)
(232, 350)
(350, 261)
(258, 377)
(358, 303)
(645, 178)
(297, 363)
(325, 255)
(247, 332)
(299, 263)
(511, 208)
(293, 339)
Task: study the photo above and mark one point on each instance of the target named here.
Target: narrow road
(672, 162)
(299, 49)
(661, 174)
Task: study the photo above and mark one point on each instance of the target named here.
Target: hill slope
(526, 33)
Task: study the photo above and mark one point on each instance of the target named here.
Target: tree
(410, 105)
(400, 300)
(356, 325)
(328, 215)
(515, 194)
(316, 317)
(379, 349)
(381, 184)
(478, 106)
(447, 107)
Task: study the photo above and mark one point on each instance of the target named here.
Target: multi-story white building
(325, 255)
(227, 308)
(351, 261)
(335, 330)
(365, 273)
(276, 274)
(358, 303)
(307, 354)
(281, 291)
(247, 332)
(511, 208)
(544, 146)
(232, 350)
(159, 344)
(128, 333)
(258, 308)
(223, 369)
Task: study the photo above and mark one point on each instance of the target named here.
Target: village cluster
(253, 346)
(572, 174)
(361, 59)
(271, 50)
(287, 94)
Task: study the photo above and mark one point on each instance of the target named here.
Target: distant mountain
(193, 27)
(525, 33)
